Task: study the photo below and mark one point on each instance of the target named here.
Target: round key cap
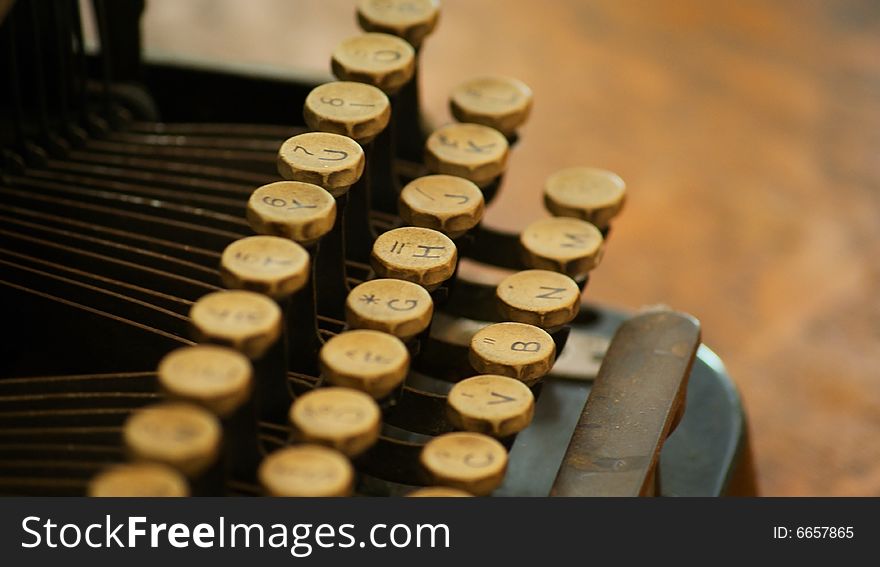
(472, 151)
(378, 59)
(539, 297)
(449, 204)
(594, 195)
(139, 480)
(495, 405)
(307, 471)
(412, 20)
(467, 461)
(182, 436)
(344, 419)
(273, 266)
(216, 378)
(330, 161)
(396, 307)
(350, 109)
(299, 211)
(501, 103)
(418, 255)
(246, 321)
(438, 492)
(566, 245)
(369, 361)
(517, 350)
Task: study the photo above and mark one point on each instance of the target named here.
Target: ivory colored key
(501, 103)
(396, 307)
(303, 212)
(495, 405)
(356, 110)
(594, 195)
(306, 471)
(273, 266)
(330, 161)
(378, 59)
(517, 350)
(183, 436)
(438, 492)
(139, 480)
(539, 297)
(369, 361)
(216, 378)
(246, 321)
(418, 255)
(560, 244)
(412, 20)
(472, 151)
(467, 461)
(346, 420)
(449, 204)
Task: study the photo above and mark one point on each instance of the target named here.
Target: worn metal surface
(630, 412)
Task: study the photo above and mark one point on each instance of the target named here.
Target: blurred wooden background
(749, 135)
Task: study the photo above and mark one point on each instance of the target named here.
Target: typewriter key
(299, 211)
(369, 361)
(216, 378)
(139, 480)
(355, 110)
(517, 350)
(176, 434)
(472, 151)
(396, 307)
(539, 297)
(378, 59)
(495, 405)
(566, 245)
(344, 419)
(501, 103)
(418, 255)
(330, 161)
(467, 461)
(587, 193)
(273, 266)
(307, 471)
(246, 321)
(451, 205)
(412, 20)
(438, 492)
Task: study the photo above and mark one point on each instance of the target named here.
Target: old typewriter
(296, 296)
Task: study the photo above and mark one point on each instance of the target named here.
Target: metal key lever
(632, 408)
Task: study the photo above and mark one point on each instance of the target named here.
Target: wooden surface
(748, 134)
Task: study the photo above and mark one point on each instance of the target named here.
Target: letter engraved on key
(447, 142)
(464, 198)
(369, 357)
(474, 148)
(504, 399)
(369, 299)
(550, 294)
(426, 253)
(344, 155)
(410, 304)
(420, 190)
(295, 204)
(579, 240)
(474, 461)
(298, 147)
(394, 247)
(386, 55)
(530, 346)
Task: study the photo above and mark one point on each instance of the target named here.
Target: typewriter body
(371, 341)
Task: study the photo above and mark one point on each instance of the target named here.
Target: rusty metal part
(632, 407)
